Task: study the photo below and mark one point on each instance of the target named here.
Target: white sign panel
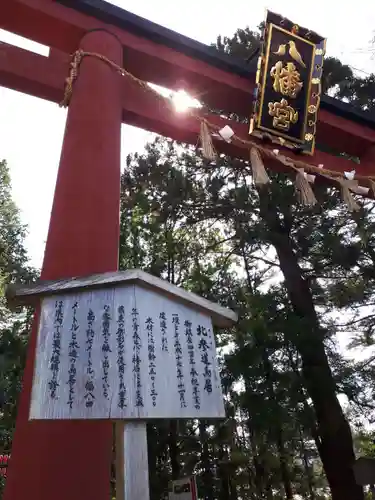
(124, 353)
(183, 489)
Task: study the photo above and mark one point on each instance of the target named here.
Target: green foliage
(242, 44)
(14, 328)
(13, 258)
(364, 443)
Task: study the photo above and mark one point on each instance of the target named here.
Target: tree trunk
(246, 445)
(207, 479)
(336, 450)
(152, 462)
(283, 459)
(284, 469)
(173, 450)
(173, 427)
(260, 474)
(224, 491)
(308, 472)
(259, 469)
(232, 487)
(276, 433)
(269, 492)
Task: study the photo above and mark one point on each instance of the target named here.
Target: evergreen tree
(14, 328)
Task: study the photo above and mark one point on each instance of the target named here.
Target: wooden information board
(124, 353)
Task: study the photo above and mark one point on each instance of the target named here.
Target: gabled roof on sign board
(137, 25)
(18, 295)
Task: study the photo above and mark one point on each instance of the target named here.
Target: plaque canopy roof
(19, 295)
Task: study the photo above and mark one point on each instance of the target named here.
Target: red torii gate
(72, 459)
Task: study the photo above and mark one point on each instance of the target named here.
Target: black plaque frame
(278, 32)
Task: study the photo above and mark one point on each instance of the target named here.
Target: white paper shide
(125, 352)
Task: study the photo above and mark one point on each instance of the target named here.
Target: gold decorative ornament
(281, 50)
(288, 84)
(286, 79)
(293, 52)
(309, 137)
(283, 114)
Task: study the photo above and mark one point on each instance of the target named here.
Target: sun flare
(183, 101)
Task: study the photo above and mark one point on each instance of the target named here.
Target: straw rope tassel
(347, 196)
(260, 176)
(208, 149)
(69, 81)
(372, 186)
(259, 173)
(304, 191)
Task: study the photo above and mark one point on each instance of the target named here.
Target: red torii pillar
(70, 460)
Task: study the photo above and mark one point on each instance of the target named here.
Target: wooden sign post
(183, 489)
(128, 347)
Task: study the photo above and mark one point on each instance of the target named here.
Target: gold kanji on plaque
(288, 84)
(283, 114)
(286, 80)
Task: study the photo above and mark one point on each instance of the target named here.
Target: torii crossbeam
(158, 55)
(72, 460)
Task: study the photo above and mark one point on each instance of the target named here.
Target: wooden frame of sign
(125, 346)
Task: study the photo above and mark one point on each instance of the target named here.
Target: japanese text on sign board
(127, 355)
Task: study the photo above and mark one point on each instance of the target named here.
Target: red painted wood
(144, 109)
(346, 126)
(83, 238)
(57, 26)
(32, 73)
(368, 157)
(44, 77)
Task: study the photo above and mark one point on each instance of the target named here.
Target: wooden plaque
(124, 352)
(288, 84)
